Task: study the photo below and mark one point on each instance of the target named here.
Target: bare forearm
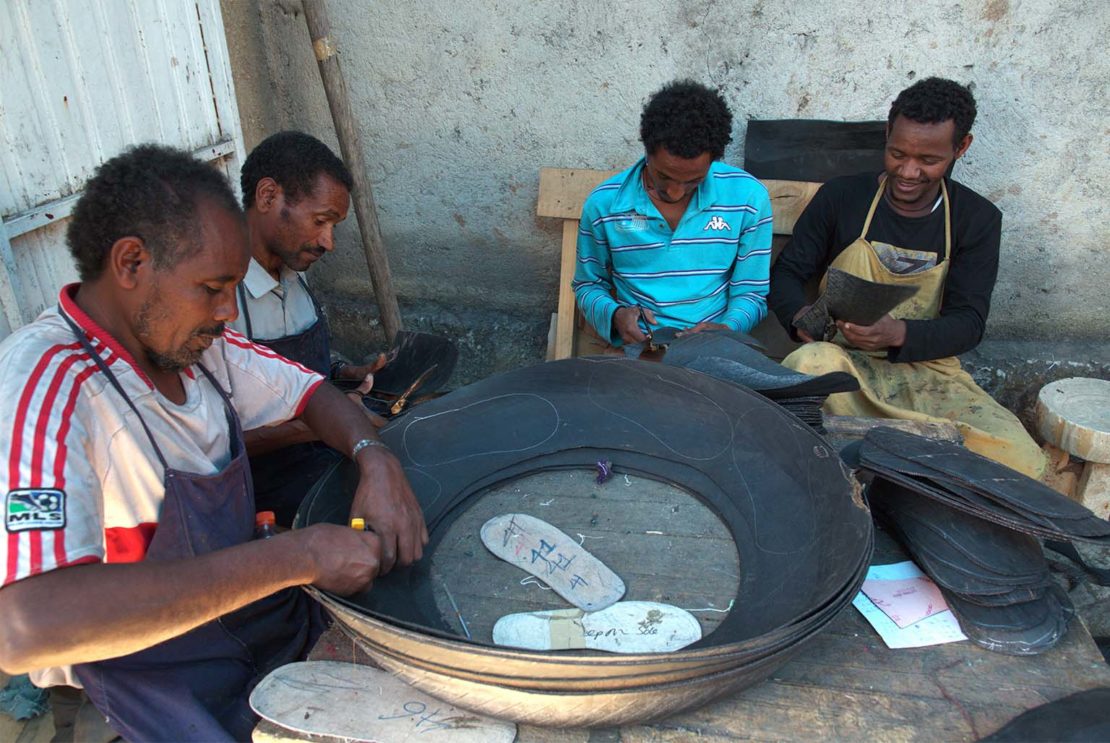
(92, 612)
(272, 438)
(337, 420)
(383, 497)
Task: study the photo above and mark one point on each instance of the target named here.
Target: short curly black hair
(294, 160)
(150, 192)
(687, 119)
(935, 100)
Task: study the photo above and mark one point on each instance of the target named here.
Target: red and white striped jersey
(83, 481)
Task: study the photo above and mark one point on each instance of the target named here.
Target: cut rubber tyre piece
(625, 627)
(537, 547)
(363, 703)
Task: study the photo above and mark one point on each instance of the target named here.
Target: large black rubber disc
(801, 529)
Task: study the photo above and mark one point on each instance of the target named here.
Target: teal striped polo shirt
(714, 267)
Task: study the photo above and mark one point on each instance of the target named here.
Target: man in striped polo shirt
(129, 510)
(680, 239)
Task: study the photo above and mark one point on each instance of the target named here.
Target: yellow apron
(925, 390)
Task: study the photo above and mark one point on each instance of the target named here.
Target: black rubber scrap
(963, 479)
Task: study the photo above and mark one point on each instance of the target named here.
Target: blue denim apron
(195, 687)
(311, 347)
(283, 477)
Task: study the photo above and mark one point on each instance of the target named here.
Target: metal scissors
(399, 404)
(647, 328)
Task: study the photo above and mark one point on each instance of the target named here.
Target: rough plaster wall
(460, 104)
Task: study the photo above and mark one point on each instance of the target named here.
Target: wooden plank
(843, 685)
(788, 200)
(564, 190)
(552, 327)
(564, 326)
(847, 685)
(362, 195)
(648, 532)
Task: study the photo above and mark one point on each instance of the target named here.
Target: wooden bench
(562, 193)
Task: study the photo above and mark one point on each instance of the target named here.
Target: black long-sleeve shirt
(834, 219)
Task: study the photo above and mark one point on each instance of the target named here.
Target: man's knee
(818, 358)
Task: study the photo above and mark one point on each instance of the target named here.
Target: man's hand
(385, 500)
(375, 420)
(884, 334)
(383, 497)
(344, 560)
(625, 322)
(107, 610)
(366, 374)
(801, 333)
(702, 326)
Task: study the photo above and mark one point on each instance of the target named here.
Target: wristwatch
(364, 443)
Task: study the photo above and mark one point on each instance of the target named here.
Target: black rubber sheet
(1082, 717)
(982, 562)
(953, 475)
(429, 359)
(1021, 629)
(812, 149)
(849, 298)
(967, 521)
(730, 356)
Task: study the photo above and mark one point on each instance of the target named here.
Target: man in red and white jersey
(129, 565)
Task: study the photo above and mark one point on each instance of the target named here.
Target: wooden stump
(1074, 414)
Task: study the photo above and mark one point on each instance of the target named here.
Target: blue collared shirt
(713, 267)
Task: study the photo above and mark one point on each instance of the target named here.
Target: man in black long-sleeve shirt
(909, 225)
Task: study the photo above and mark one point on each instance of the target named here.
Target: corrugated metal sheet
(79, 83)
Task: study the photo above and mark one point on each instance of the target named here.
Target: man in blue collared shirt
(680, 239)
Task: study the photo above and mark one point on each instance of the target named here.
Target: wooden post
(319, 30)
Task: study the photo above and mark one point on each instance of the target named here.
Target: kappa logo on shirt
(635, 223)
(35, 509)
(717, 224)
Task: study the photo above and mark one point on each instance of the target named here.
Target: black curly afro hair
(150, 192)
(935, 100)
(687, 119)
(293, 159)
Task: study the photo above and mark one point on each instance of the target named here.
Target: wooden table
(845, 685)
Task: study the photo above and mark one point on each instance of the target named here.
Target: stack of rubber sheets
(974, 535)
(734, 357)
(951, 474)
(996, 580)
(801, 529)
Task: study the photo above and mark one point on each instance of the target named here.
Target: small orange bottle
(265, 525)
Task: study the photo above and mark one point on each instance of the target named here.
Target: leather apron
(283, 477)
(194, 687)
(931, 391)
